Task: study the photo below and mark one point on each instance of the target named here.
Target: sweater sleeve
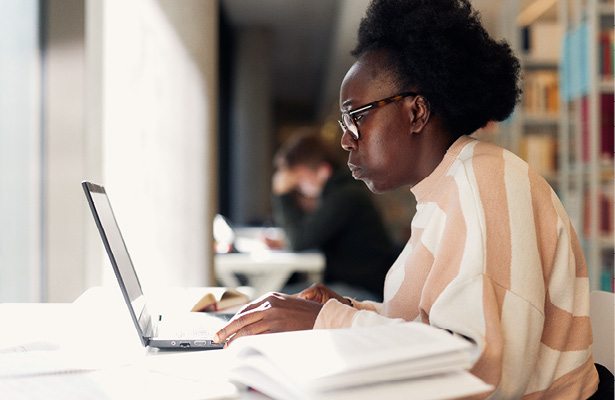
(335, 315)
(366, 305)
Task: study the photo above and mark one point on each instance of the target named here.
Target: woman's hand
(273, 312)
(321, 294)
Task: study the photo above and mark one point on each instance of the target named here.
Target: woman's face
(383, 156)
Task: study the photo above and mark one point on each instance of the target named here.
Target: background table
(267, 271)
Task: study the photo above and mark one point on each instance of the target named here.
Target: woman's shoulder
(493, 171)
(487, 158)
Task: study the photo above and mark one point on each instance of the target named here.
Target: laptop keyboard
(164, 330)
(192, 326)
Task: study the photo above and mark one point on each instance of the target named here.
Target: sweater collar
(426, 186)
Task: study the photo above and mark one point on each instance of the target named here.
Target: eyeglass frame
(366, 107)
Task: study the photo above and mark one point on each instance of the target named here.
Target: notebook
(193, 331)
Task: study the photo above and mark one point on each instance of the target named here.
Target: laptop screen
(118, 254)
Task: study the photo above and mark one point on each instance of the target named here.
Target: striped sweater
(492, 257)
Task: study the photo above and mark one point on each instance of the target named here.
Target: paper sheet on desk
(194, 375)
(39, 363)
(73, 386)
(129, 382)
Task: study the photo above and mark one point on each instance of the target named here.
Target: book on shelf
(574, 63)
(607, 124)
(605, 53)
(541, 93)
(606, 215)
(361, 363)
(607, 282)
(541, 41)
(585, 135)
(607, 201)
(540, 152)
(605, 135)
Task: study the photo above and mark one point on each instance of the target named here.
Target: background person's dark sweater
(346, 227)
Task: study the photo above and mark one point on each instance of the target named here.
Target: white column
(20, 153)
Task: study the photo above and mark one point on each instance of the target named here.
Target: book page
(440, 386)
(338, 352)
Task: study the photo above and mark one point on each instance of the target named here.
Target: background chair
(603, 325)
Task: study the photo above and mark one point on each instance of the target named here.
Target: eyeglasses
(349, 120)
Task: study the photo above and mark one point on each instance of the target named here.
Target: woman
(492, 256)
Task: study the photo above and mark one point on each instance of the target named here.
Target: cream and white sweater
(492, 257)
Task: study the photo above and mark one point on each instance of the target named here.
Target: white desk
(93, 352)
(90, 350)
(267, 271)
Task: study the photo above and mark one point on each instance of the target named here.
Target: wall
(157, 91)
(125, 95)
(63, 121)
(20, 152)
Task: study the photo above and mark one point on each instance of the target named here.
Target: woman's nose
(347, 142)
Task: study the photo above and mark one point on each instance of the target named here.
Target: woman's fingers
(252, 329)
(254, 304)
(274, 313)
(308, 294)
(319, 293)
(240, 320)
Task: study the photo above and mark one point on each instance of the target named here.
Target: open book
(385, 361)
(230, 298)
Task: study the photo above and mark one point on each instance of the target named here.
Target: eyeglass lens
(351, 126)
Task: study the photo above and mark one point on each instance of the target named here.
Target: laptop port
(184, 344)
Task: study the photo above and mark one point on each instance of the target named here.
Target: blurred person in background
(320, 206)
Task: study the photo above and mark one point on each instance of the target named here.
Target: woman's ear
(418, 113)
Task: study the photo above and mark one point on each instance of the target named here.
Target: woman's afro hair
(440, 49)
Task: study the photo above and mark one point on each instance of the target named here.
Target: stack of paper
(386, 361)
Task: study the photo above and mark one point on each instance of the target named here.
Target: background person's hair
(305, 148)
(440, 49)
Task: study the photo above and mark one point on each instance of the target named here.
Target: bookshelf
(532, 132)
(586, 131)
(564, 125)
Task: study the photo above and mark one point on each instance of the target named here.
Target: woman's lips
(356, 171)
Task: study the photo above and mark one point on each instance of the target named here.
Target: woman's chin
(378, 187)
(373, 186)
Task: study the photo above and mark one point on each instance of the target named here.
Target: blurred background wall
(120, 93)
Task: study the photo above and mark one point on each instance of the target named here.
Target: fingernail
(216, 338)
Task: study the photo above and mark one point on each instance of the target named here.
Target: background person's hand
(283, 181)
(273, 312)
(274, 244)
(321, 294)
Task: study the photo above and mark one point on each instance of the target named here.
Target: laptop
(191, 331)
